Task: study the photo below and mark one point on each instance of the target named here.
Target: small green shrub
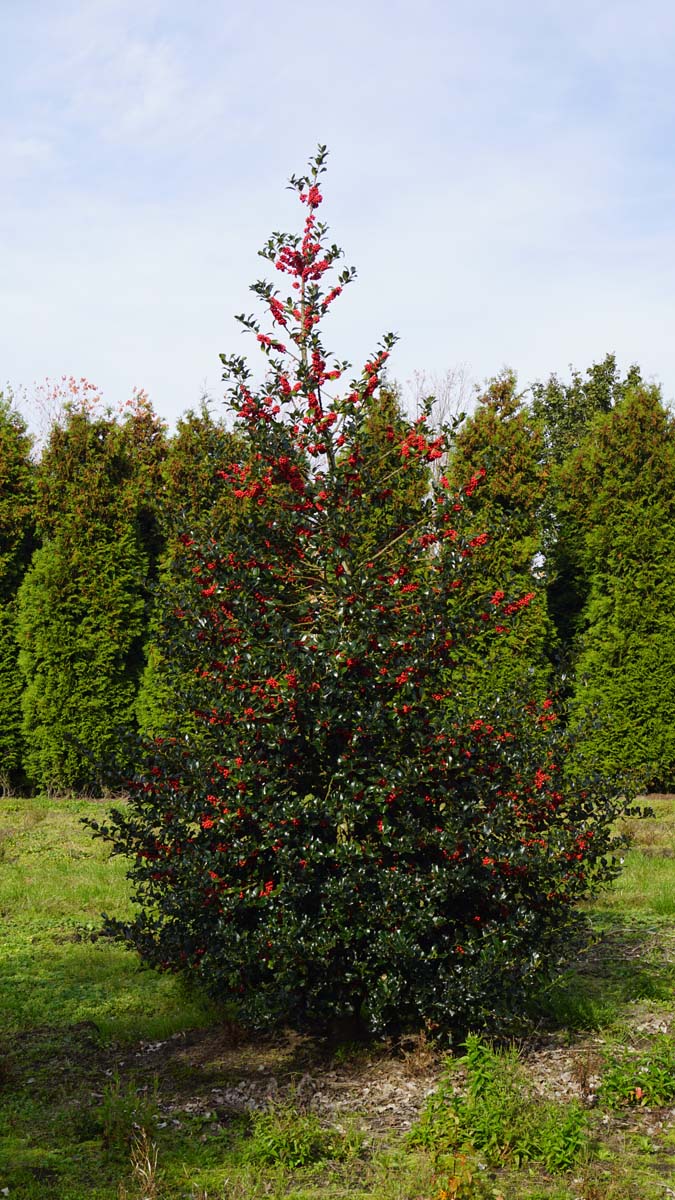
(126, 1114)
(644, 1079)
(499, 1116)
(438, 1129)
(463, 1183)
(283, 1137)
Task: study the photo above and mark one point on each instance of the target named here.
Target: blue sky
(502, 177)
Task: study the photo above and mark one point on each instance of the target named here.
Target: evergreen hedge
(618, 492)
(564, 411)
(82, 605)
(500, 448)
(17, 537)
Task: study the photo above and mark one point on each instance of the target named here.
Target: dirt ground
(222, 1071)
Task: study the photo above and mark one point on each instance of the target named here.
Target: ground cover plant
(349, 835)
(115, 1081)
(498, 1114)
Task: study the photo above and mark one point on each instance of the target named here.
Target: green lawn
(107, 1068)
(55, 881)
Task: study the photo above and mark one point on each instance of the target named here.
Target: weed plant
(144, 1155)
(646, 1078)
(126, 1113)
(281, 1136)
(498, 1115)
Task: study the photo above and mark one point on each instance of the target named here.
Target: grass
(499, 1115)
(54, 883)
(645, 887)
(114, 1081)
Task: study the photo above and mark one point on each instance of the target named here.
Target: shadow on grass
(54, 981)
(627, 962)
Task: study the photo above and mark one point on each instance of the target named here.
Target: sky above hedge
(501, 175)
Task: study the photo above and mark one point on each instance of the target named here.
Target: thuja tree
(196, 504)
(565, 412)
(566, 409)
(17, 531)
(82, 604)
(396, 483)
(144, 442)
(502, 446)
(619, 492)
(342, 844)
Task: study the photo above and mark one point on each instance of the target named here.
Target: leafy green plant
(641, 1078)
(438, 1128)
(126, 1115)
(498, 1115)
(463, 1182)
(283, 1137)
(53, 988)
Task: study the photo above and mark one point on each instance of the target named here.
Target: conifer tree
(394, 481)
(498, 458)
(193, 501)
(565, 412)
(144, 436)
(17, 531)
(196, 451)
(618, 491)
(82, 605)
